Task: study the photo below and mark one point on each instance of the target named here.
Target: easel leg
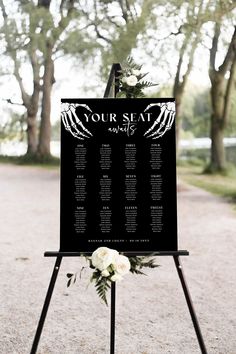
(113, 309)
(46, 305)
(190, 305)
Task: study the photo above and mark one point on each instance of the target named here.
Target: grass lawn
(224, 186)
(51, 162)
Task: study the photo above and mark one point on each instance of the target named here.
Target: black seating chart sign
(118, 175)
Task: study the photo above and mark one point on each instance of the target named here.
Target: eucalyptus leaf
(120, 95)
(69, 275)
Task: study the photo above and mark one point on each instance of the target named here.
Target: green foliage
(231, 126)
(103, 283)
(127, 31)
(138, 263)
(132, 89)
(194, 161)
(196, 111)
(126, 40)
(71, 278)
(106, 1)
(32, 160)
(229, 170)
(78, 45)
(13, 128)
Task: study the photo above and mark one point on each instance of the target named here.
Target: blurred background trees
(222, 88)
(44, 39)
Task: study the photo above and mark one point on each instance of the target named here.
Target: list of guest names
(129, 189)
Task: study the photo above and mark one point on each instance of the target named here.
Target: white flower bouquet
(110, 266)
(131, 83)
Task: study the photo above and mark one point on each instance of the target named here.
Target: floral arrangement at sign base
(109, 266)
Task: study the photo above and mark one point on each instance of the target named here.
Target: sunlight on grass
(224, 186)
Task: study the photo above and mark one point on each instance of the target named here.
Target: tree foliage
(44, 31)
(13, 129)
(166, 36)
(40, 33)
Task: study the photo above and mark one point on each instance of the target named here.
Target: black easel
(111, 91)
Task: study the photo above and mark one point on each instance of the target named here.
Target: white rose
(131, 80)
(122, 265)
(105, 273)
(103, 257)
(116, 277)
(136, 72)
(124, 79)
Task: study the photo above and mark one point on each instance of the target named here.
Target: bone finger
(162, 124)
(159, 136)
(161, 133)
(171, 120)
(83, 105)
(151, 105)
(75, 127)
(167, 127)
(73, 106)
(81, 124)
(77, 118)
(75, 134)
(156, 121)
(64, 120)
(67, 126)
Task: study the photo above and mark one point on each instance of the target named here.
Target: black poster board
(118, 175)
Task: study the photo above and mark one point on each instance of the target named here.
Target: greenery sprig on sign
(131, 83)
(109, 266)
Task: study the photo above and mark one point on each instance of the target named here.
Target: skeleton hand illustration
(163, 122)
(71, 121)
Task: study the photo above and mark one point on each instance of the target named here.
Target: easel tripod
(111, 91)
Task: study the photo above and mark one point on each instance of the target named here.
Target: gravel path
(152, 316)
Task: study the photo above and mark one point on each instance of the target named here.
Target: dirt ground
(152, 316)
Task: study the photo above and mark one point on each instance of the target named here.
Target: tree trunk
(45, 126)
(221, 91)
(32, 111)
(32, 139)
(218, 160)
